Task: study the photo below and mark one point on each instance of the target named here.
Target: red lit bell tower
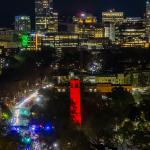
(75, 104)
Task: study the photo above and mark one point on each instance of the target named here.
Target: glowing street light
(38, 99)
(55, 145)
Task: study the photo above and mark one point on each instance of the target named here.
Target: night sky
(10, 8)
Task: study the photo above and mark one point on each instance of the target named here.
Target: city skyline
(7, 12)
(75, 75)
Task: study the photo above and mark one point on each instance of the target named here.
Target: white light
(55, 145)
(50, 85)
(82, 14)
(38, 99)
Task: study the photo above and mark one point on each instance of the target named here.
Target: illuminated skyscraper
(110, 20)
(148, 19)
(131, 33)
(46, 20)
(112, 16)
(22, 24)
(86, 26)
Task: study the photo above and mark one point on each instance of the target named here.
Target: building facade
(110, 19)
(22, 24)
(46, 20)
(147, 27)
(131, 33)
(8, 38)
(112, 16)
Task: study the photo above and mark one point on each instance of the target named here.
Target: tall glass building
(22, 24)
(148, 19)
(46, 20)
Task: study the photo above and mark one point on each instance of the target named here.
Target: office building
(112, 16)
(111, 19)
(84, 18)
(131, 33)
(82, 23)
(22, 24)
(147, 19)
(90, 31)
(46, 20)
(8, 38)
(61, 40)
(109, 31)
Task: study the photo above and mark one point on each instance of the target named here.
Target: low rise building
(112, 79)
(105, 88)
(8, 38)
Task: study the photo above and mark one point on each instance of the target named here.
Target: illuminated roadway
(18, 122)
(25, 103)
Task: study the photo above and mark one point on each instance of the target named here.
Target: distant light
(7, 65)
(26, 140)
(47, 127)
(15, 129)
(83, 14)
(5, 116)
(55, 145)
(33, 128)
(50, 85)
(38, 99)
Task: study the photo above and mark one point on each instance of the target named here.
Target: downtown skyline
(7, 12)
(75, 75)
